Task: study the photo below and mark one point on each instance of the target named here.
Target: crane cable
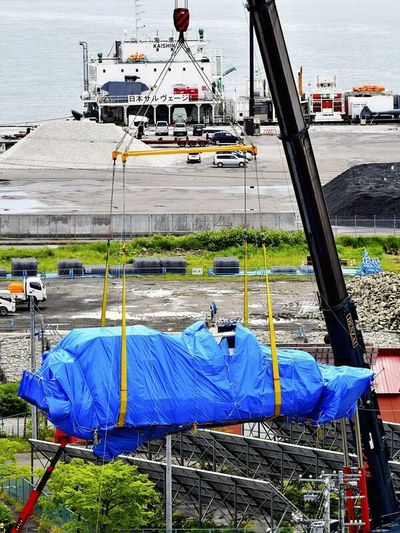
(103, 319)
(272, 341)
(123, 357)
(124, 363)
(152, 94)
(245, 246)
(272, 337)
(217, 95)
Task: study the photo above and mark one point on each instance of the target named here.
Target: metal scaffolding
(238, 498)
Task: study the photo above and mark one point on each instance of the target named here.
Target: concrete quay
(75, 181)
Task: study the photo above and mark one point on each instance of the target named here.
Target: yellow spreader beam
(174, 151)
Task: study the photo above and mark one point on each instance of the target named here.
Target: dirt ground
(171, 306)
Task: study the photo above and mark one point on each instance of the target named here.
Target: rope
(274, 351)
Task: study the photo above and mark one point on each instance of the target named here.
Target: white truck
(7, 303)
(30, 286)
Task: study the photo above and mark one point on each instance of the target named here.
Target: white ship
(137, 79)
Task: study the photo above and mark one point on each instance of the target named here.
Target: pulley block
(181, 17)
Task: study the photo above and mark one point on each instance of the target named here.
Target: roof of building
(387, 371)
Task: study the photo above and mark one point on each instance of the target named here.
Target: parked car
(198, 130)
(224, 137)
(162, 128)
(209, 131)
(180, 129)
(194, 158)
(229, 160)
(248, 155)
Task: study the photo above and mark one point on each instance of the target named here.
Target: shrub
(10, 403)
(216, 241)
(6, 516)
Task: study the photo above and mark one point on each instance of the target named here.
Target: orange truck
(30, 286)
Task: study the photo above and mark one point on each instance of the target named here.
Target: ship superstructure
(138, 79)
(326, 103)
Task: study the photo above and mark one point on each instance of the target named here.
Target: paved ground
(183, 188)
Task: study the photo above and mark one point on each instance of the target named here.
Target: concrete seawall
(97, 226)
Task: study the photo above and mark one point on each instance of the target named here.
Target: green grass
(200, 249)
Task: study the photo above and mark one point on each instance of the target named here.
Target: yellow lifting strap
(124, 363)
(105, 287)
(246, 288)
(274, 352)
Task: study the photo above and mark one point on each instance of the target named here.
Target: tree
(111, 497)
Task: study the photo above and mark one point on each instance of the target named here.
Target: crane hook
(181, 19)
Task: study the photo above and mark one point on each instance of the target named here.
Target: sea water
(41, 60)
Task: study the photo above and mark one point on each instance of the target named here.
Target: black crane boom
(339, 311)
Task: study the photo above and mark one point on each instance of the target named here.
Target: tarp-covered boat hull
(176, 382)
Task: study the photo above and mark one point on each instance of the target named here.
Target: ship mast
(137, 12)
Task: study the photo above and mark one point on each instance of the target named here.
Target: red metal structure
(30, 504)
(357, 500)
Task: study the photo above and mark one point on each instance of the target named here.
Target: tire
(3, 311)
(220, 165)
(241, 164)
(181, 143)
(192, 144)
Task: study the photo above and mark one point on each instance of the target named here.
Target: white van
(162, 128)
(229, 160)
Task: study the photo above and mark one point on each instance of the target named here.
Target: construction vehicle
(339, 311)
(30, 286)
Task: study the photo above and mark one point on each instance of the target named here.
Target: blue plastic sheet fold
(176, 382)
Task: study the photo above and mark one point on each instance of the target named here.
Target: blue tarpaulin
(124, 88)
(176, 382)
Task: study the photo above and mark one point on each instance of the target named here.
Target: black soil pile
(365, 190)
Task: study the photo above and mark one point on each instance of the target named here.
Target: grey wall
(15, 356)
(94, 226)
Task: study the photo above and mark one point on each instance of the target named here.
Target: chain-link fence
(14, 426)
(372, 225)
(19, 490)
(358, 226)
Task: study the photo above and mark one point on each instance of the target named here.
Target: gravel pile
(73, 144)
(378, 301)
(365, 191)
